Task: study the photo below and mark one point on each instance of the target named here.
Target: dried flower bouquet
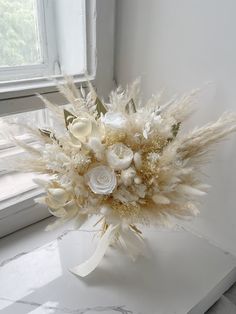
(125, 162)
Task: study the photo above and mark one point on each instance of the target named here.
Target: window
(17, 190)
(38, 39)
(20, 34)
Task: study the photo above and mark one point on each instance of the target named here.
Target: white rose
(101, 180)
(119, 156)
(114, 120)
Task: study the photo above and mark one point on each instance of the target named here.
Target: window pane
(19, 33)
(37, 118)
(42, 118)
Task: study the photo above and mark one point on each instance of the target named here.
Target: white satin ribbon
(88, 266)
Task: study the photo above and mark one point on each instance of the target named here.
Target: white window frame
(19, 96)
(48, 46)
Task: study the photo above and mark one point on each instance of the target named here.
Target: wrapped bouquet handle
(88, 266)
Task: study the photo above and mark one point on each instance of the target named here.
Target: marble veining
(10, 259)
(98, 309)
(59, 238)
(66, 232)
(173, 279)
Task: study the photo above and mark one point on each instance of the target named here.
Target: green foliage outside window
(19, 38)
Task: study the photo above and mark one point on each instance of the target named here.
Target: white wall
(105, 46)
(180, 45)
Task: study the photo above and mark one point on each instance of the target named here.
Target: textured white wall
(180, 45)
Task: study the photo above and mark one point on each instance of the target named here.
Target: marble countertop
(182, 274)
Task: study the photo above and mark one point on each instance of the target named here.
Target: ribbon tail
(88, 266)
(132, 243)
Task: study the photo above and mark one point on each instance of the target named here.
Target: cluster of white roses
(110, 169)
(124, 161)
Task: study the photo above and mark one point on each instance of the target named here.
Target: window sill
(27, 87)
(17, 206)
(18, 96)
(21, 211)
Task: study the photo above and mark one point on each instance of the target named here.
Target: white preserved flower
(101, 180)
(57, 196)
(119, 156)
(114, 120)
(80, 128)
(58, 201)
(83, 127)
